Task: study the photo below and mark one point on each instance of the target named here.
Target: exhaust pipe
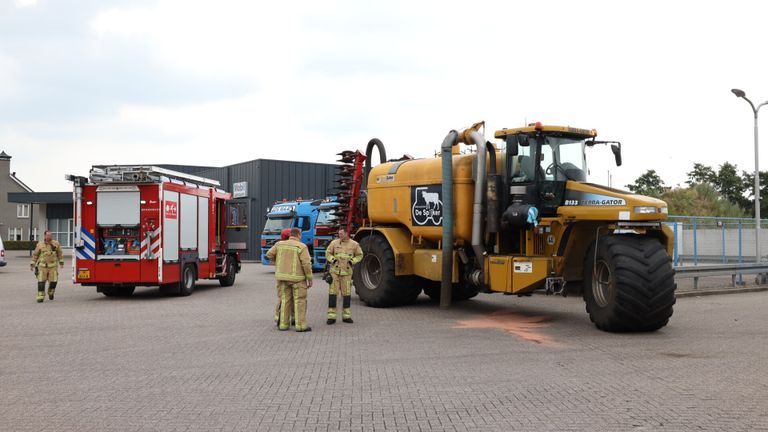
(477, 207)
(492, 194)
(446, 152)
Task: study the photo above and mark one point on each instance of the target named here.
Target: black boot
(51, 290)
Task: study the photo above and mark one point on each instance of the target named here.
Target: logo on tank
(427, 205)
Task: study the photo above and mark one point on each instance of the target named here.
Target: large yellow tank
(404, 193)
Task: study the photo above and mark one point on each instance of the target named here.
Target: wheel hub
(602, 290)
(371, 271)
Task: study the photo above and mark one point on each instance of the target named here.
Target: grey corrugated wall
(271, 180)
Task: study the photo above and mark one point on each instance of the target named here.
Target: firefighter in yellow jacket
(341, 255)
(46, 257)
(293, 271)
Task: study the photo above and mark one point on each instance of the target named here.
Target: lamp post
(755, 110)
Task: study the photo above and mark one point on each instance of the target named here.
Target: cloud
(213, 83)
(25, 3)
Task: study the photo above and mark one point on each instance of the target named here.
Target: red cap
(285, 234)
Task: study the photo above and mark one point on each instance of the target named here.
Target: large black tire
(633, 285)
(459, 292)
(229, 279)
(116, 291)
(187, 280)
(374, 277)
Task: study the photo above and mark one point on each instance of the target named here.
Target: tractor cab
(540, 160)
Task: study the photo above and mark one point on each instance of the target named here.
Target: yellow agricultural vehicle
(511, 218)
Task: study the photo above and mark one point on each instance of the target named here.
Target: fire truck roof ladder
(143, 174)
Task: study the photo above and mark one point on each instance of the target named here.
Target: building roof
(40, 197)
(4, 156)
(20, 183)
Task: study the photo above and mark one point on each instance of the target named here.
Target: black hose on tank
(382, 158)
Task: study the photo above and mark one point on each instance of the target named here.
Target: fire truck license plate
(84, 274)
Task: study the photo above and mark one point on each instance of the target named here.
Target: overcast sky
(215, 83)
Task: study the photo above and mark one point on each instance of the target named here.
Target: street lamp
(741, 94)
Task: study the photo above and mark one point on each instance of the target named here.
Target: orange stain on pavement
(523, 326)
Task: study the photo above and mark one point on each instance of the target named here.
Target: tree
(726, 180)
(700, 200)
(648, 184)
(701, 174)
(748, 180)
(731, 185)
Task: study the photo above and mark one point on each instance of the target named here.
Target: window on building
(14, 234)
(22, 211)
(62, 230)
(34, 234)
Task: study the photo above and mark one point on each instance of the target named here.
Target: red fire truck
(148, 226)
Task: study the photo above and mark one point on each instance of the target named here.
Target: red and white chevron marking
(154, 238)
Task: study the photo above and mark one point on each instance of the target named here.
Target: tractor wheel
(229, 279)
(629, 284)
(459, 292)
(374, 277)
(116, 291)
(187, 282)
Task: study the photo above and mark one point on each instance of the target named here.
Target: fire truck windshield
(274, 225)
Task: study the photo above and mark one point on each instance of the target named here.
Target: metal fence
(713, 240)
(712, 246)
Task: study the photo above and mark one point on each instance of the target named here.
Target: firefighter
(46, 256)
(293, 271)
(342, 254)
(284, 235)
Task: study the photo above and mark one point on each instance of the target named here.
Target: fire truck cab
(148, 226)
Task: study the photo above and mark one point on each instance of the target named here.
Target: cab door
(236, 224)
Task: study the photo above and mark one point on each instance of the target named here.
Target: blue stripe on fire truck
(89, 243)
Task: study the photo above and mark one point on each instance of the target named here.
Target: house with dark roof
(17, 219)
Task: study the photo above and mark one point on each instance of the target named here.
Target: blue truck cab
(291, 214)
(325, 229)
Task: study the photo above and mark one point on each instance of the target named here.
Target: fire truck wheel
(374, 277)
(229, 279)
(187, 282)
(629, 284)
(116, 291)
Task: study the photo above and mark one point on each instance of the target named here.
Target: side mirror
(512, 149)
(616, 149)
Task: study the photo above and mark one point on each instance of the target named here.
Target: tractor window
(547, 162)
(563, 159)
(522, 166)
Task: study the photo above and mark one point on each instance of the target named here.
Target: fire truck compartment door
(188, 215)
(118, 208)
(202, 228)
(170, 226)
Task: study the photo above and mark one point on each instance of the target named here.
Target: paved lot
(214, 361)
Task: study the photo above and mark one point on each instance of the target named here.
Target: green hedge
(19, 245)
